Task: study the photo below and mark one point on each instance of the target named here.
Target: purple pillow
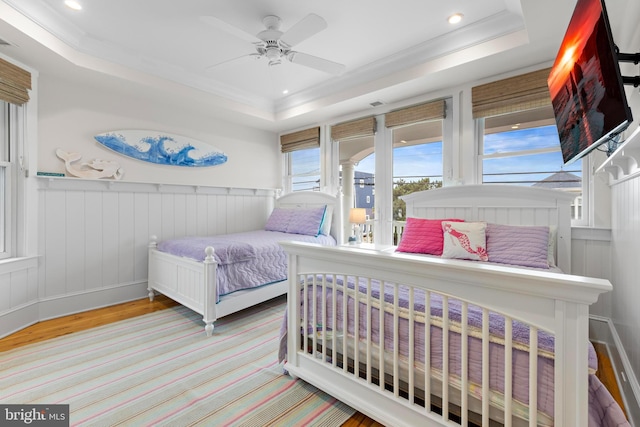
(279, 220)
(423, 236)
(526, 246)
(306, 221)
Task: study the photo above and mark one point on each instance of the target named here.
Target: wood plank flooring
(77, 322)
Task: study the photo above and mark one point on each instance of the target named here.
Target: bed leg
(208, 328)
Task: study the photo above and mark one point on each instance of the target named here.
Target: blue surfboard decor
(162, 148)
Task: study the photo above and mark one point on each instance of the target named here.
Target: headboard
(309, 199)
(500, 204)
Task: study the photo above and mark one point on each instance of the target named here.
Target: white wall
(625, 218)
(72, 112)
(90, 236)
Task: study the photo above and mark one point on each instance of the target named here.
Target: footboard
(189, 282)
(434, 340)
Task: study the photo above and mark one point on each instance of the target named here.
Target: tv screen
(586, 87)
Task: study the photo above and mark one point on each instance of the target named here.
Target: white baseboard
(18, 318)
(602, 329)
(63, 305)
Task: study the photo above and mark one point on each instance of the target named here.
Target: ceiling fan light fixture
(275, 45)
(273, 53)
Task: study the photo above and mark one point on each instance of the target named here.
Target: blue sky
(426, 159)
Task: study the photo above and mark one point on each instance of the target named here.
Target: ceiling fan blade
(316, 63)
(308, 26)
(229, 29)
(234, 61)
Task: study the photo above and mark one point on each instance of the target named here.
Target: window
(9, 135)
(357, 165)
(304, 169)
(522, 148)
(417, 161)
(302, 159)
(518, 140)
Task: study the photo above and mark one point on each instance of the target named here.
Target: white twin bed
(219, 275)
(504, 343)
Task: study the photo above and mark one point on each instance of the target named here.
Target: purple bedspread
(246, 260)
(603, 410)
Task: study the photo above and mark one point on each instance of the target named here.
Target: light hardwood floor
(77, 322)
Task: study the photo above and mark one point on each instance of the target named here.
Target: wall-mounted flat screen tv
(585, 83)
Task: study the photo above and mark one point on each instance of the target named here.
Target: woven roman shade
(519, 93)
(14, 83)
(434, 110)
(308, 138)
(354, 129)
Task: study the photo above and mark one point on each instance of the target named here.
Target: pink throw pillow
(423, 236)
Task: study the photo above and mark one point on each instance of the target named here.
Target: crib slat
(427, 351)
(324, 317)
(334, 321)
(345, 306)
(508, 374)
(381, 336)
(485, 367)
(356, 329)
(411, 363)
(533, 376)
(445, 357)
(314, 315)
(396, 341)
(305, 314)
(464, 368)
(369, 327)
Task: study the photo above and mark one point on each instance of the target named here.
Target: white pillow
(465, 240)
(325, 228)
(551, 248)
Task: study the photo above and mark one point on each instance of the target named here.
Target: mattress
(245, 260)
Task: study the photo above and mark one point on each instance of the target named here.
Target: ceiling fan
(276, 46)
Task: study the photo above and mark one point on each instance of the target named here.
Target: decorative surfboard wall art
(162, 148)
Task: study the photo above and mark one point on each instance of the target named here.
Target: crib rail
(374, 357)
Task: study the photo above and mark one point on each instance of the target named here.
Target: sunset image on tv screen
(584, 82)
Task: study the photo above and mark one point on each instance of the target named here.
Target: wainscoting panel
(625, 219)
(95, 235)
(19, 291)
(591, 256)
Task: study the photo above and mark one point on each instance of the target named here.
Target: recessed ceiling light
(455, 18)
(286, 91)
(73, 4)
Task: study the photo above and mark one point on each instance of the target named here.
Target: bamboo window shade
(14, 83)
(354, 129)
(434, 110)
(301, 140)
(519, 93)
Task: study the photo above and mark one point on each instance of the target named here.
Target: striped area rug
(161, 369)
